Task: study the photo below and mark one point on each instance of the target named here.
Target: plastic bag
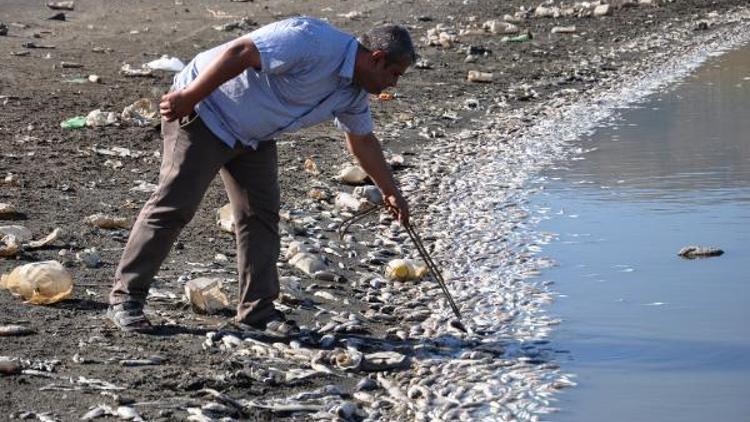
(74, 123)
(205, 295)
(39, 283)
(170, 64)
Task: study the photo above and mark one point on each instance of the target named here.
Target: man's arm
(239, 56)
(369, 154)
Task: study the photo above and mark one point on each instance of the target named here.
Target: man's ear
(377, 55)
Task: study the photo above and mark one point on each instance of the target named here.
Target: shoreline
(528, 340)
(471, 153)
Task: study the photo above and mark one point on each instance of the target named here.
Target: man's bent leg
(251, 181)
(191, 158)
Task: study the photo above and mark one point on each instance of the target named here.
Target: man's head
(384, 55)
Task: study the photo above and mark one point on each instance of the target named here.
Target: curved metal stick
(353, 219)
(414, 236)
(433, 268)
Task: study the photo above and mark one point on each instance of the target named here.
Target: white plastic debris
(100, 118)
(39, 283)
(128, 70)
(143, 112)
(225, 218)
(346, 201)
(165, 62)
(206, 295)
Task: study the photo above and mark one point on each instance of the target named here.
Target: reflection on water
(651, 336)
(696, 138)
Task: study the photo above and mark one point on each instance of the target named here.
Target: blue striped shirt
(306, 74)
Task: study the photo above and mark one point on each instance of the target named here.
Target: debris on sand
(206, 295)
(61, 5)
(107, 221)
(15, 330)
(39, 283)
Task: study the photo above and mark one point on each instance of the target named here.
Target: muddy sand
(438, 122)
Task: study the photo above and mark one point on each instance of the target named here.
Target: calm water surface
(651, 336)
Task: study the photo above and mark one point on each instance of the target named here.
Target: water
(651, 336)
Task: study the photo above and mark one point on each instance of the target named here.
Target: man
(221, 116)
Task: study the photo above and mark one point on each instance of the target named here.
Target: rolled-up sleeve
(356, 119)
(283, 46)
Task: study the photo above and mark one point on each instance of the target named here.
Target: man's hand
(176, 104)
(397, 206)
(239, 56)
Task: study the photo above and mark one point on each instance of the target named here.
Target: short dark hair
(394, 40)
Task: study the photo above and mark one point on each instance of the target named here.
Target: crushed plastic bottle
(404, 270)
(39, 283)
(205, 295)
(74, 123)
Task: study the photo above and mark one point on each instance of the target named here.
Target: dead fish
(15, 330)
(99, 411)
(154, 360)
(692, 252)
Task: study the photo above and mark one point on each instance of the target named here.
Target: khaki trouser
(192, 157)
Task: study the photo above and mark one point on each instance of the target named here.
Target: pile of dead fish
(505, 368)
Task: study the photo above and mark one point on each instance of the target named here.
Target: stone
(352, 175)
(21, 233)
(7, 211)
(90, 258)
(9, 366)
(369, 193)
(225, 218)
(366, 384)
(602, 10)
(308, 263)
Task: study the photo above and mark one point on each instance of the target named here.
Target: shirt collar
(346, 71)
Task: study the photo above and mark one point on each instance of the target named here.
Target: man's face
(382, 75)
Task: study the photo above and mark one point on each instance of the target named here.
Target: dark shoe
(129, 316)
(277, 325)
